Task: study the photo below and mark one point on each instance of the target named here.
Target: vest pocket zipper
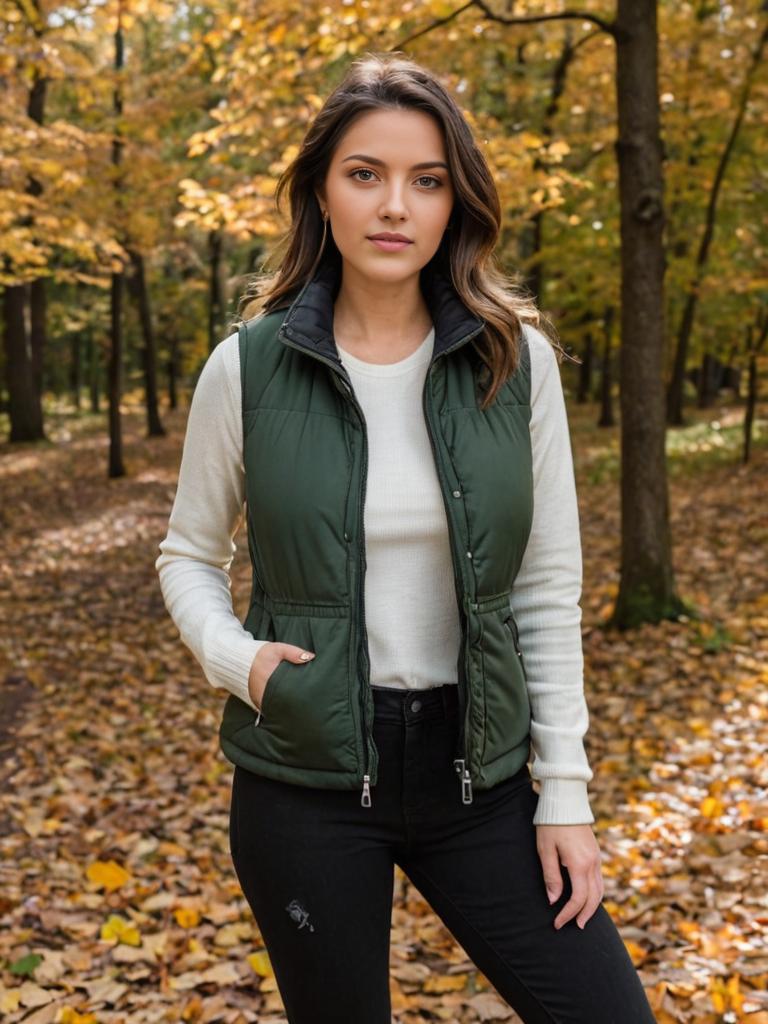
(511, 625)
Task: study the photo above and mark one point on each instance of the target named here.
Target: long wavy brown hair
(385, 80)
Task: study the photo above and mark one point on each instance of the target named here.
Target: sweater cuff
(230, 665)
(563, 802)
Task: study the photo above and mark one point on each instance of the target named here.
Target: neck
(372, 318)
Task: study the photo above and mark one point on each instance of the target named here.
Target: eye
(422, 178)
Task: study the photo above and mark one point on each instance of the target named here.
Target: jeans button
(416, 705)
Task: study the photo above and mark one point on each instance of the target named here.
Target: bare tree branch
(603, 25)
(532, 19)
(431, 26)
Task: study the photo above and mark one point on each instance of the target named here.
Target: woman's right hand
(266, 661)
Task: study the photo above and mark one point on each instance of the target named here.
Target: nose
(393, 206)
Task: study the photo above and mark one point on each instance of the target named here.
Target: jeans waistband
(399, 705)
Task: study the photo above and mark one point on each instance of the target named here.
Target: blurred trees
(213, 101)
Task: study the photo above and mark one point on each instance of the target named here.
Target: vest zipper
(365, 800)
(369, 752)
(461, 762)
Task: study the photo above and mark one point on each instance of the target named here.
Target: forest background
(140, 145)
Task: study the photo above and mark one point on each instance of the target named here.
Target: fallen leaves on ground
(118, 899)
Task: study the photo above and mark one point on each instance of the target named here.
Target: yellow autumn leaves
(120, 929)
(109, 875)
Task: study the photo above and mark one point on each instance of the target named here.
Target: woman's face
(389, 174)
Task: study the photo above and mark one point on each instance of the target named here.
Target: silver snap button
(416, 705)
(457, 494)
(469, 554)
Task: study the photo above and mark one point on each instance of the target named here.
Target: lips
(387, 237)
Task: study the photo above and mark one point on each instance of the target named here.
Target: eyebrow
(381, 163)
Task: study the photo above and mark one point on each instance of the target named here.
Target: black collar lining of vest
(309, 320)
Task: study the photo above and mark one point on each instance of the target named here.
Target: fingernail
(305, 656)
(580, 925)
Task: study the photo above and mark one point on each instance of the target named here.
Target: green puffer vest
(305, 457)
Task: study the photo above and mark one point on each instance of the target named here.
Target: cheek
(437, 217)
(352, 213)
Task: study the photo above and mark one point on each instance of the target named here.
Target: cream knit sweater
(411, 612)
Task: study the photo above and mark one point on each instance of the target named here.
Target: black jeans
(317, 870)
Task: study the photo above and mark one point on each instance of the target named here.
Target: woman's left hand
(577, 848)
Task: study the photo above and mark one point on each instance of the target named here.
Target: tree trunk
(216, 305)
(24, 337)
(24, 405)
(38, 303)
(37, 288)
(646, 590)
(116, 465)
(707, 381)
(141, 297)
(535, 232)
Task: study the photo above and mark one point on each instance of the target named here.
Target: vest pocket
(270, 687)
(307, 712)
(507, 705)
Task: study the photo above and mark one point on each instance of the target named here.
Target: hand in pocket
(266, 661)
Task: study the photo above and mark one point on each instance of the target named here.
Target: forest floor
(118, 899)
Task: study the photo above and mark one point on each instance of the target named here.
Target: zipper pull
(366, 800)
(512, 626)
(466, 781)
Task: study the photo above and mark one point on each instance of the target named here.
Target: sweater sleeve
(197, 552)
(545, 601)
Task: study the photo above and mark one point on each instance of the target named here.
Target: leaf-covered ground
(118, 899)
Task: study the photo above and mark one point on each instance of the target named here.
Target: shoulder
(258, 340)
(222, 368)
(262, 329)
(545, 369)
(541, 349)
(217, 391)
(535, 365)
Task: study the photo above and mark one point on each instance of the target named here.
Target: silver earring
(325, 230)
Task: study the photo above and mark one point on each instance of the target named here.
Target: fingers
(553, 876)
(580, 855)
(298, 655)
(587, 892)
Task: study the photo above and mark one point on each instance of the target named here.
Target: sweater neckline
(419, 357)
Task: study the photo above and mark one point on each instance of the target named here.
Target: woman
(394, 422)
